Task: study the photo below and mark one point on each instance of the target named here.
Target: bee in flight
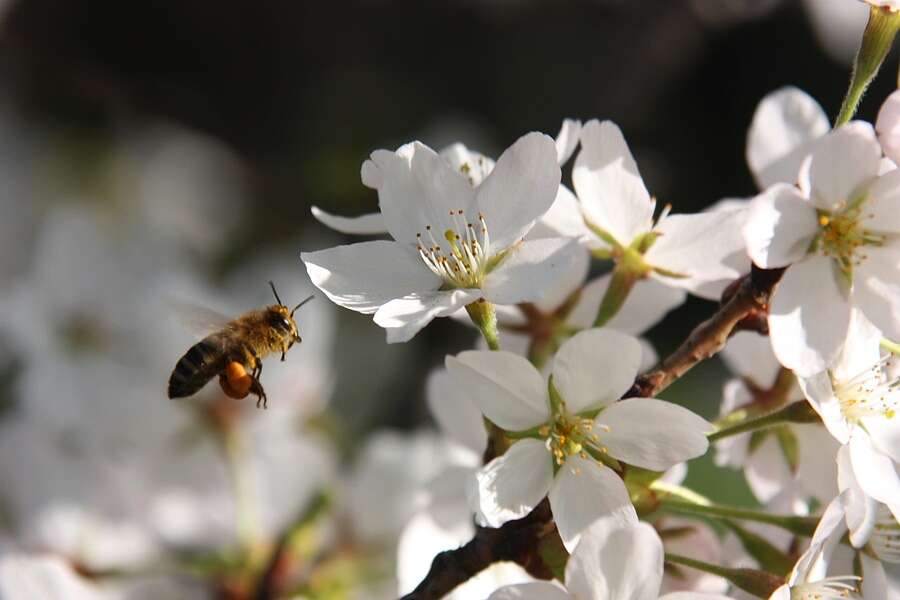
(235, 351)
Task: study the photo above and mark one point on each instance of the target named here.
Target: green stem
(797, 412)
(758, 583)
(623, 280)
(484, 317)
(892, 347)
(876, 42)
(804, 526)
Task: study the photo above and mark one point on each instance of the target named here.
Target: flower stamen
(463, 262)
(869, 394)
(830, 588)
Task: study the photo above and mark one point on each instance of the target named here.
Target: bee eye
(286, 324)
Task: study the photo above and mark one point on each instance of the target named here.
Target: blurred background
(162, 152)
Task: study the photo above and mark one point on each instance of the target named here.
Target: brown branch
(749, 301)
(744, 306)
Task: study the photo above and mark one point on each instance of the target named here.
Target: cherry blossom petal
(364, 276)
(520, 189)
(29, 577)
(780, 227)
(703, 247)
(404, 317)
(809, 316)
(651, 433)
(820, 394)
(701, 596)
(538, 590)
(647, 304)
(881, 210)
(511, 485)
(767, 470)
(888, 126)
(876, 288)
(860, 509)
(506, 387)
(608, 184)
(617, 562)
(862, 348)
(576, 270)
(564, 219)
(367, 224)
(816, 468)
(874, 579)
(785, 126)
(567, 139)
(417, 188)
(595, 367)
(876, 472)
(532, 267)
(749, 355)
(456, 414)
(473, 165)
(843, 163)
(583, 492)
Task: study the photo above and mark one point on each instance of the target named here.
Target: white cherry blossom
(453, 243)
(562, 453)
(613, 561)
(858, 403)
(841, 237)
(685, 251)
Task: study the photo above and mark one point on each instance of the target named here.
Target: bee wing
(199, 320)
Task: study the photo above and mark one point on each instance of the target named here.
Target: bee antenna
(302, 303)
(272, 285)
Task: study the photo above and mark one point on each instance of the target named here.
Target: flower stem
(892, 347)
(759, 583)
(876, 42)
(798, 525)
(484, 317)
(797, 412)
(623, 280)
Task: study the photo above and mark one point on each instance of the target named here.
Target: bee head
(282, 319)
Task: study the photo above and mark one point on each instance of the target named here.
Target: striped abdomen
(201, 363)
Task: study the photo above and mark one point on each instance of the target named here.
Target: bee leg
(261, 399)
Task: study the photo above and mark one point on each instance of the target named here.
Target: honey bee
(235, 351)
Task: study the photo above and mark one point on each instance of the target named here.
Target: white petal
(876, 288)
(520, 189)
(820, 394)
(616, 562)
(785, 125)
(609, 187)
(862, 348)
(782, 593)
(732, 451)
(426, 534)
(511, 485)
(567, 139)
(404, 317)
(563, 219)
(416, 188)
(583, 492)
(860, 508)
(704, 247)
(532, 267)
(881, 210)
(874, 579)
(816, 469)
(538, 590)
(647, 304)
(506, 387)
(702, 596)
(651, 433)
(767, 471)
(779, 228)
(888, 126)
(575, 269)
(843, 163)
(364, 276)
(368, 224)
(876, 472)
(595, 367)
(473, 165)
(44, 577)
(456, 414)
(749, 354)
(809, 316)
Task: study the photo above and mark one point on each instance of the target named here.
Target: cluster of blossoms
(553, 403)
